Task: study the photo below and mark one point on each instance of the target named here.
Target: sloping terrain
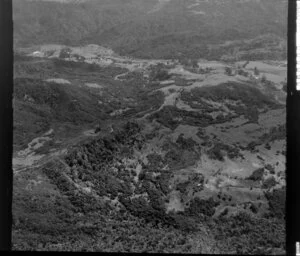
(158, 29)
(147, 155)
(150, 126)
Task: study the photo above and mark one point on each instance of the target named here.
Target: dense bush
(171, 117)
(65, 53)
(257, 175)
(269, 183)
(275, 133)
(186, 144)
(201, 206)
(276, 201)
(246, 234)
(65, 103)
(248, 94)
(219, 150)
(270, 168)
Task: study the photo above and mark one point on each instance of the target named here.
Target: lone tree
(228, 71)
(256, 71)
(264, 79)
(97, 129)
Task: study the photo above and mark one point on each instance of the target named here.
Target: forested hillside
(149, 28)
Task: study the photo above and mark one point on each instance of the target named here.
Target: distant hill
(148, 28)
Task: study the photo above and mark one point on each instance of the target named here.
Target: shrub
(269, 183)
(257, 175)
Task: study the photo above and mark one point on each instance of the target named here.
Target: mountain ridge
(129, 26)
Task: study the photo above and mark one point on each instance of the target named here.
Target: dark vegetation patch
(270, 168)
(194, 184)
(199, 207)
(65, 102)
(83, 203)
(180, 154)
(275, 133)
(94, 162)
(177, 158)
(253, 208)
(29, 122)
(151, 212)
(135, 76)
(257, 175)
(54, 221)
(42, 217)
(251, 235)
(39, 104)
(182, 187)
(186, 144)
(245, 93)
(219, 150)
(179, 81)
(252, 147)
(155, 161)
(171, 117)
(247, 100)
(276, 200)
(159, 73)
(269, 183)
